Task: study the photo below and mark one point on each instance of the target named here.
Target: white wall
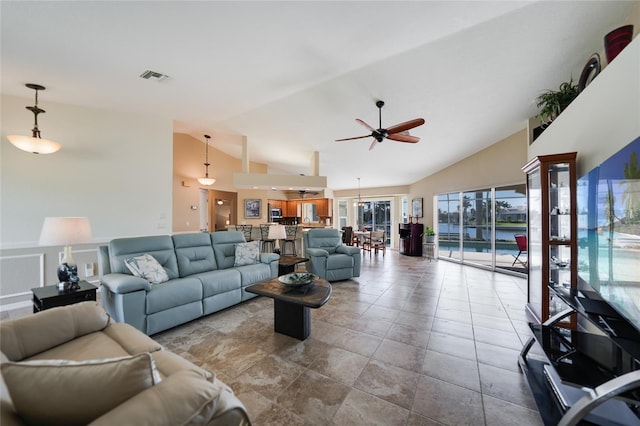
(604, 117)
(114, 168)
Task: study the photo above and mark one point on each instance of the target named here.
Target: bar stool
(292, 235)
(264, 234)
(246, 230)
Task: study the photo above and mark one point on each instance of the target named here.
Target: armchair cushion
(181, 399)
(53, 327)
(52, 392)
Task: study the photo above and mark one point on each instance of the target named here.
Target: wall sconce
(34, 143)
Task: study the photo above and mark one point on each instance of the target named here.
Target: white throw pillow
(147, 267)
(247, 253)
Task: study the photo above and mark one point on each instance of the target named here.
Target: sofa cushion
(168, 364)
(36, 333)
(147, 267)
(247, 253)
(90, 346)
(252, 274)
(184, 398)
(194, 253)
(224, 247)
(159, 246)
(131, 339)
(173, 293)
(220, 281)
(71, 393)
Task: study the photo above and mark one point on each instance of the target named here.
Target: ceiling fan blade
(373, 144)
(350, 139)
(398, 137)
(405, 126)
(365, 125)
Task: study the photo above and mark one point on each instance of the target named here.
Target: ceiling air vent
(153, 75)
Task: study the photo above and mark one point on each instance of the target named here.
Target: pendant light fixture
(34, 143)
(360, 202)
(206, 180)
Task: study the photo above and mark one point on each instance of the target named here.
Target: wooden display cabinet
(552, 233)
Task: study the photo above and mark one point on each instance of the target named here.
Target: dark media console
(589, 375)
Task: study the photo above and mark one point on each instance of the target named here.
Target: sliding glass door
(449, 226)
(376, 215)
(479, 227)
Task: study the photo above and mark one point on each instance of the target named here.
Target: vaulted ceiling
(293, 76)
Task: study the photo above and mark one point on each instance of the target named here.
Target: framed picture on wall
(252, 208)
(416, 207)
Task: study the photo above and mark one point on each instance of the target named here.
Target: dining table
(362, 236)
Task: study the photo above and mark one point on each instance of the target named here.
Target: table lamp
(64, 231)
(277, 233)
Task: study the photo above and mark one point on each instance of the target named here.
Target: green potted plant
(552, 102)
(429, 234)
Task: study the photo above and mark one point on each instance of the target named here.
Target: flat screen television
(608, 205)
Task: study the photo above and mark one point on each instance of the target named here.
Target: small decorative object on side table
(66, 231)
(50, 296)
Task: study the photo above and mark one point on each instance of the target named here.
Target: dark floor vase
(617, 40)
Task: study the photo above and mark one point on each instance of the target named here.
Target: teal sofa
(328, 257)
(202, 278)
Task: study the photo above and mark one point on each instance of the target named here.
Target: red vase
(617, 40)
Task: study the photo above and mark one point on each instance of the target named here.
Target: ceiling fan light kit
(397, 133)
(34, 143)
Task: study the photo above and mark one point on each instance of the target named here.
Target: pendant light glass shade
(34, 143)
(206, 180)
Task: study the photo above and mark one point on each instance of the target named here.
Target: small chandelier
(34, 143)
(206, 180)
(360, 202)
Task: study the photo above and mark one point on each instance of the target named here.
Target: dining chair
(377, 242)
(347, 235)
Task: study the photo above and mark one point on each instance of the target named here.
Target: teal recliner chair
(328, 257)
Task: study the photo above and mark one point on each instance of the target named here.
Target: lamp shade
(65, 231)
(34, 145)
(206, 181)
(277, 232)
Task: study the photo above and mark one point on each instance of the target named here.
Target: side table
(287, 264)
(429, 251)
(50, 296)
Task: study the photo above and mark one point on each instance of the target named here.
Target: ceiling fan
(302, 192)
(398, 133)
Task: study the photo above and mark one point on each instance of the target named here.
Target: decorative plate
(590, 71)
(297, 279)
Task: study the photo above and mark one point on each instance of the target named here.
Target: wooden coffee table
(291, 307)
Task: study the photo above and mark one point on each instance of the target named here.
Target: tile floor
(409, 342)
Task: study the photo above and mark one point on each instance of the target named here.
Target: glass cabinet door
(551, 192)
(534, 251)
